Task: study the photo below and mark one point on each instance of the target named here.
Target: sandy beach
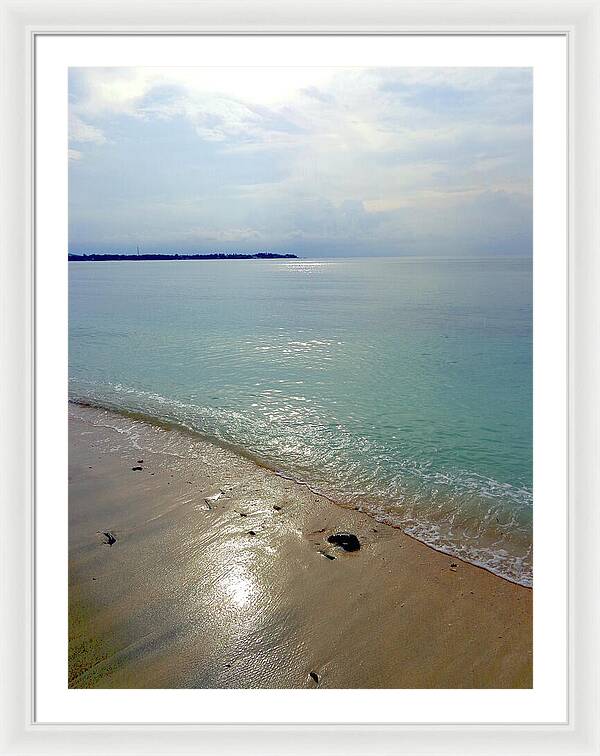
(192, 566)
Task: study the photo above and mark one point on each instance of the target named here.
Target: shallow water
(401, 386)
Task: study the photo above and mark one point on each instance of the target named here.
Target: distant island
(215, 256)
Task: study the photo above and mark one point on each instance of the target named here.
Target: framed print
(299, 410)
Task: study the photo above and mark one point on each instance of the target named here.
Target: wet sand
(238, 591)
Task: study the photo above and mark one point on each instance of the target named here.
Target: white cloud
(79, 131)
(357, 150)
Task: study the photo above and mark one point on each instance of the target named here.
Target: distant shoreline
(215, 256)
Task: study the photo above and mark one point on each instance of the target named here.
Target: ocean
(400, 386)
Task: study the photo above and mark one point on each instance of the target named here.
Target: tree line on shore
(97, 257)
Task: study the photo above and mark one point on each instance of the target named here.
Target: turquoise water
(400, 386)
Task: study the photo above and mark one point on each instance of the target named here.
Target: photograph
(300, 377)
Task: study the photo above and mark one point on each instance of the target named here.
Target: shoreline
(221, 576)
(174, 425)
(166, 257)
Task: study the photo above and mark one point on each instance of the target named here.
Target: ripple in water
(401, 387)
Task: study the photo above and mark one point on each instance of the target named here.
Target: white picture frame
(20, 23)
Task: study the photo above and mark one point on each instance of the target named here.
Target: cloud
(84, 132)
(382, 159)
(317, 94)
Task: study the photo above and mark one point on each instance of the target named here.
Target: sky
(317, 162)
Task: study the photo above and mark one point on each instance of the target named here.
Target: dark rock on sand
(346, 541)
(108, 538)
(314, 676)
(137, 468)
(251, 532)
(140, 461)
(276, 508)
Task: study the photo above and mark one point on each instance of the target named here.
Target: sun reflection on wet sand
(239, 586)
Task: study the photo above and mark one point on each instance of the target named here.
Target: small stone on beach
(137, 468)
(276, 508)
(326, 555)
(314, 676)
(346, 541)
(108, 538)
